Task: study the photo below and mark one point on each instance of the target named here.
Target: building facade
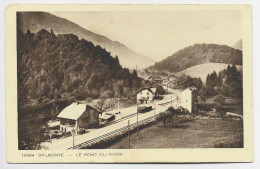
(146, 95)
(171, 83)
(188, 99)
(78, 116)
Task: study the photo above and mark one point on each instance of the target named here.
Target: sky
(158, 34)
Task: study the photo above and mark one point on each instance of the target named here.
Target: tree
(212, 79)
(232, 75)
(117, 60)
(187, 81)
(160, 90)
(202, 94)
(135, 73)
(102, 104)
(219, 80)
(28, 33)
(52, 32)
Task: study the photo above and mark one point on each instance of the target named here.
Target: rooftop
(73, 111)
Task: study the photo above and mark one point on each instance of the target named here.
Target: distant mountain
(203, 70)
(199, 54)
(35, 21)
(238, 45)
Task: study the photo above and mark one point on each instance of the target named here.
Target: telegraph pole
(171, 100)
(177, 101)
(137, 119)
(73, 136)
(118, 105)
(154, 109)
(128, 134)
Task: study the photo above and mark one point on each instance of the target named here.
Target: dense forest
(54, 71)
(227, 83)
(52, 66)
(199, 54)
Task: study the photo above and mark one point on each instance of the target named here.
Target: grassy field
(187, 132)
(230, 104)
(203, 70)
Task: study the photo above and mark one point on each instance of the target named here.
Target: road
(65, 143)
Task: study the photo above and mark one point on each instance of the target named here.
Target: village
(75, 92)
(80, 122)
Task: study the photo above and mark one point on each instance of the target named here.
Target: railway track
(107, 135)
(119, 120)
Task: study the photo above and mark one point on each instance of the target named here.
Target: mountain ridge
(35, 21)
(199, 54)
(238, 45)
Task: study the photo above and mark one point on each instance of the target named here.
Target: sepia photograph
(92, 80)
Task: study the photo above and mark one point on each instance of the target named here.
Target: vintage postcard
(129, 83)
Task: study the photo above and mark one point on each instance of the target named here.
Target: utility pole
(171, 100)
(73, 136)
(118, 106)
(128, 134)
(154, 110)
(137, 120)
(177, 101)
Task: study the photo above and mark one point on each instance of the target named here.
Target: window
(147, 93)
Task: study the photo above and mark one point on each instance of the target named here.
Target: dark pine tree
(135, 73)
(219, 80)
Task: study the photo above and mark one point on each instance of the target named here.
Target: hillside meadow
(202, 70)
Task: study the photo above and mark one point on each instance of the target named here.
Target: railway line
(111, 129)
(110, 134)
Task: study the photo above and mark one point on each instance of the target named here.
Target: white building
(171, 83)
(78, 115)
(188, 99)
(146, 95)
(165, 82)
(172, 78)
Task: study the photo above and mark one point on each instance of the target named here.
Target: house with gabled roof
(78, 116)
(146, 94)
(172, 83)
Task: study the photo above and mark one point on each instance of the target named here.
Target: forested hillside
(35, 21)
(51, 66)
(199, 54)
(54, 71)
